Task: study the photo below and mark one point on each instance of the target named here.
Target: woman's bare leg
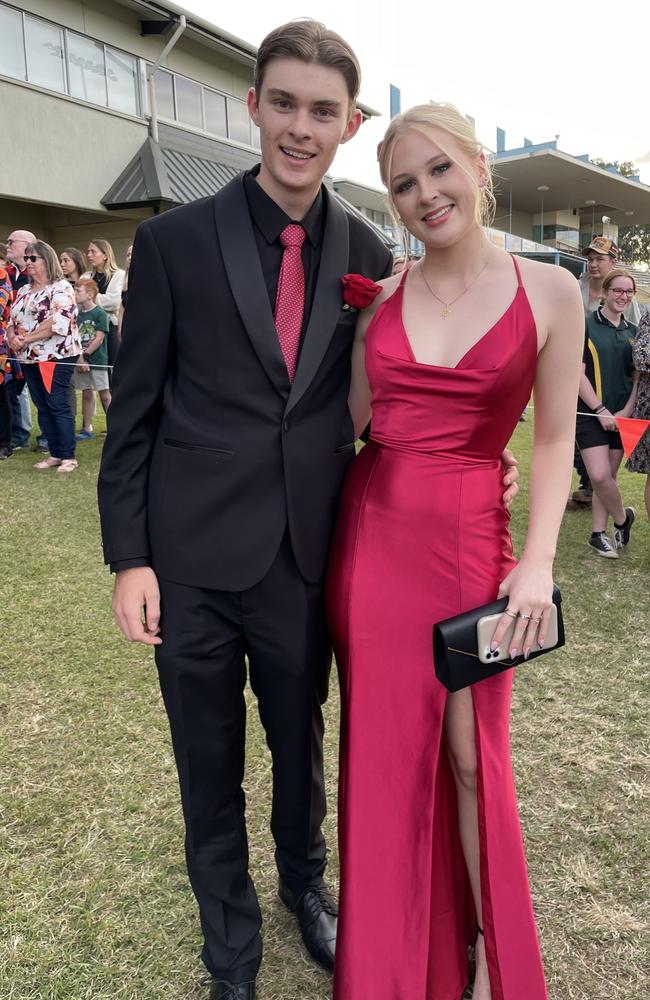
(607, 496)
(461, 751)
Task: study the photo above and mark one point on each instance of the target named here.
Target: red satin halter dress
(422, 535)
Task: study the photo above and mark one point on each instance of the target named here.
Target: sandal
(48, 463)
(68, 465)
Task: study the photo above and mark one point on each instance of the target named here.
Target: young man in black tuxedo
(224, 459)
(229, 438)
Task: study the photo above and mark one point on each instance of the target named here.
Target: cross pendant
(445, 312)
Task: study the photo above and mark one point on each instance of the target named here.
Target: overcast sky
(579, 70)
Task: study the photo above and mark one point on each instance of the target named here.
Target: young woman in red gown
(445, 359)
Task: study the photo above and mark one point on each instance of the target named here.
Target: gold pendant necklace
(446, 306)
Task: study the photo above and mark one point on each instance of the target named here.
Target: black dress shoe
(316, 911)
(223, 990)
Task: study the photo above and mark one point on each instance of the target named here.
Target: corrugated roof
(191, 177)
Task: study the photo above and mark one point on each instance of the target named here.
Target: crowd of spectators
(69, 310)
(65, 311)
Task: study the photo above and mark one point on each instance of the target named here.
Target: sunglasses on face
(32, 257)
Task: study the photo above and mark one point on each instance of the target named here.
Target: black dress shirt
(268, 222)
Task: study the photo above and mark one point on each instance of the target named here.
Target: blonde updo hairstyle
(430, 120)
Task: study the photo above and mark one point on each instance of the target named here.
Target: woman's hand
(607, 420)
(16, 338)
(529, 588)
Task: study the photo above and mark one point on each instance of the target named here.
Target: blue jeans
(21, 419)
(54, 410)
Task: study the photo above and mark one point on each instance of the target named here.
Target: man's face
(16, 249)
(303, 113)
(599, 264)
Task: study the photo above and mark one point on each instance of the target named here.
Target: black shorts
(589, 434)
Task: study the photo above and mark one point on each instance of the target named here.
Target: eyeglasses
(32, 257)
(622, 291)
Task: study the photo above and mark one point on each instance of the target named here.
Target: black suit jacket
(211, 451)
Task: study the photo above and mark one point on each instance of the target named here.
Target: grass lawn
(94, 900)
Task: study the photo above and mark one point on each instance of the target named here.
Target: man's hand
(136, 590)
(84, 367)
(511, 477)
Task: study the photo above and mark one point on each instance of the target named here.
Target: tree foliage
(626, 168)
(634, 244)
(633, 241)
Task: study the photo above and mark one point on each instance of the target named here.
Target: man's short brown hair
(311, 42)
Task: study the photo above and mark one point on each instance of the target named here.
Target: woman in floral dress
(43, 327)
(639, 460)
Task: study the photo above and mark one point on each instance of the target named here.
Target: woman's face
(619, 294)
(68, 266)
(36, 270)
(129, 251)
(434, 192)
(96, 258)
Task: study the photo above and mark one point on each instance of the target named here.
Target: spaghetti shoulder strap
(520, 283)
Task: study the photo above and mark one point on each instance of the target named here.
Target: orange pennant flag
(631, 431)
(47, 373)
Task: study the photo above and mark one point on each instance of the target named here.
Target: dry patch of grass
(94, 900)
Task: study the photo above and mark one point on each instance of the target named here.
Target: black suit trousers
(278, 625)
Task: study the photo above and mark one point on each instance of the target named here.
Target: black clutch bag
(456, 646)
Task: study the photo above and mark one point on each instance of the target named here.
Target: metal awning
(568, 181)
(183, 167)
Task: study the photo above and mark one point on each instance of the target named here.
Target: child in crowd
(93, 328)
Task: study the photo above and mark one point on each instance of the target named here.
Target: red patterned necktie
(290, 300)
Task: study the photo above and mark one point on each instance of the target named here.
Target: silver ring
(525, 617)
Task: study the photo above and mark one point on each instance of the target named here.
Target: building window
(122, 81)
(48, 56)
(44, 48)
(164, 85)
(86, 69)
(12, 50)
(239, 127)
(188, 102)
(179, 99)
(215, 112)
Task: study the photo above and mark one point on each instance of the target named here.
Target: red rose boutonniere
(358, 292)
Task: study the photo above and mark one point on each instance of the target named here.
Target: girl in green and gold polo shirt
(608, 390)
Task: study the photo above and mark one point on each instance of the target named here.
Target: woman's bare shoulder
(388, 286)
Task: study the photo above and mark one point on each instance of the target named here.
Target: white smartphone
(485, 630)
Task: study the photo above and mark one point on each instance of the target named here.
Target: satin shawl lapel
(326, 307)
(244, 270)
